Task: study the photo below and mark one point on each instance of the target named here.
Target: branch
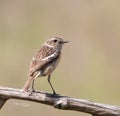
(60, 102)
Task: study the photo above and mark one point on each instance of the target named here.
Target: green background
(90, 64)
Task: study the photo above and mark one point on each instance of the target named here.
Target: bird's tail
(27, 84)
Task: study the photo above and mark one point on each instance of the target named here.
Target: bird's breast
(51, 66)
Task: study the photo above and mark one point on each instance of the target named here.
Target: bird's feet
(32, 92)
(55, 94)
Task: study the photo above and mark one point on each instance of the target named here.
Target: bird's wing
(41, 58)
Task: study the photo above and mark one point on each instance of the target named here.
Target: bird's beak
(65, 42)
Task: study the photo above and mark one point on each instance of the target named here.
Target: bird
(44, 62)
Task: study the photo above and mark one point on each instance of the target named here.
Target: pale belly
(51, 67)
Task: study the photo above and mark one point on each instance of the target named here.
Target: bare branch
(60, 102)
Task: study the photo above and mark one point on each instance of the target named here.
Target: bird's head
(55, 42)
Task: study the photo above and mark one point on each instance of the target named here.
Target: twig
(60, 102)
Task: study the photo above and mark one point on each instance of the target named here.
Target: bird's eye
(55, 40)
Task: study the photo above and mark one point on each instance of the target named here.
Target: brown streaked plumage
(45, 61)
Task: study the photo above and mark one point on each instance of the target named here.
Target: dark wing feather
(42, 57)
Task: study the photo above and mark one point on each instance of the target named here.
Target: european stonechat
(45, 61)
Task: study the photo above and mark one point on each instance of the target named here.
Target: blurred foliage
(90, 65)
